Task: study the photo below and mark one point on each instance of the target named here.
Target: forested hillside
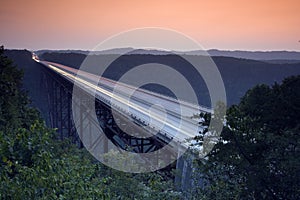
(238, 75)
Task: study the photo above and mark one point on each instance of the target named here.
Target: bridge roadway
(171, 117)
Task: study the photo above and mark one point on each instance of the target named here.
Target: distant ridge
(40, 52)
(128, 50)
(257, 55)
(268, 56)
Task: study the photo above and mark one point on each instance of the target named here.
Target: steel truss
(112, 122)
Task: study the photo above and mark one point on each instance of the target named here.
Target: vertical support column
(55, 117)
(142, 145)
(60, 114)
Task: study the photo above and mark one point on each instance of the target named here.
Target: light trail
(122, 100)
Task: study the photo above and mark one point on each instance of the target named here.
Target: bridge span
(155, 119)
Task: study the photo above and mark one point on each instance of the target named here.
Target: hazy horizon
(224, 25)
(217, 49)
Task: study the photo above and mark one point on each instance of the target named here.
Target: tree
(257, 156)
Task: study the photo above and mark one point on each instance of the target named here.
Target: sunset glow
(231, 24)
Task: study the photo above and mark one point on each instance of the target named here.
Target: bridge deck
(172, 118)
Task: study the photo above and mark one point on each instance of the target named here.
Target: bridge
(132, 119)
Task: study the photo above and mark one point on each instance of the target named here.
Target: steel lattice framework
(60, 99)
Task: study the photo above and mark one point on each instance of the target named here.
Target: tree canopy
(257, 156)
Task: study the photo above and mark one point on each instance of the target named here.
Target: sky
(217, 24)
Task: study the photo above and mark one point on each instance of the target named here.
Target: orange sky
(222, 24)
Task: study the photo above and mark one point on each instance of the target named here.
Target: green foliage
(14, 111)
(258, 154)
(33, 167)
(148, 186)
